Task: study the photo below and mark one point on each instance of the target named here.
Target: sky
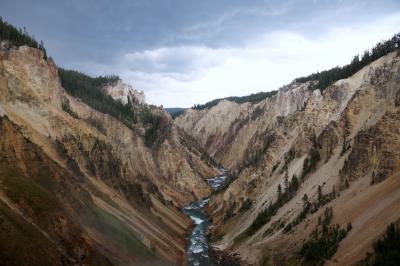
(186, 52)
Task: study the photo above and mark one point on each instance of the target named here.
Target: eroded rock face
(122, 91)
(36, 226)
(343, 140)
(128, 195)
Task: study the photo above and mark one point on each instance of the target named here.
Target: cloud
(185, 75)
(174, 60)
(184, 52)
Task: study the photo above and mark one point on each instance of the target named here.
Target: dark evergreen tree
(306, 201)
(320, 195)
(294, 184)
(252, 98)
(328, 77)
(279, 192)
(18, 37)
(286, 182)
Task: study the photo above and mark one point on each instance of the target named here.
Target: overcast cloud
(185, 52)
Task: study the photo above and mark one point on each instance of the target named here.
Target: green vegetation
(266, 260)
(257, 112)
(255, 155)
(67, 108)
(120, 234)
(309, 207)
(252, 98)
(346, 145)
(19, 37)
(328, 77)
(302, 215)
(176, 114)
(16, 241)
(97, 124)
(324, 78)
(175, 111)
(230, 212)
(265, 215)
(134, 192)
(22, 189)
(246, 205)
(387, 249)
(310, 161)
(323, 242)
(90, 91)
(148, 118)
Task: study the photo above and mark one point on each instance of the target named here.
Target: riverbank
(198, 248)
(221, 258)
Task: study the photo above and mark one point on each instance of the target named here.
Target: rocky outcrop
(342, 141)
(122, 91)
(123, 196)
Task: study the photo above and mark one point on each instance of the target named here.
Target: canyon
(90, 196)
(342, 148)
(91, 189)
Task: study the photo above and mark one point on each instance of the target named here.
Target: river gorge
(198, 243)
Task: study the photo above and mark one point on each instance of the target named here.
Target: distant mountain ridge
(175, 111)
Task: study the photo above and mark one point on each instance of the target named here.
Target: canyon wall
(342, 147)
(92, 194)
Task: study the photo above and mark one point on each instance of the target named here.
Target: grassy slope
(40, 194)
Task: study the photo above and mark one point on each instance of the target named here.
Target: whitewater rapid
(198, 244)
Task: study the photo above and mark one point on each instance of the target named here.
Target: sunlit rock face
(122, 91)
(89, 189)
(353, 126)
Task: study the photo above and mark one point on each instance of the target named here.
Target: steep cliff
(83, 182)
(301, 156)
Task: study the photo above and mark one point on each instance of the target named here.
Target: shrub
(310, 161)
(322, 244)
(386, 250)
(67, 108)
(265, 215)
(246, 205)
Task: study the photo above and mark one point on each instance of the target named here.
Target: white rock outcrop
(122, 91)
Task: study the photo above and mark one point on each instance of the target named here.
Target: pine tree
(286, 182)
(320, 195)
(306, 201)
(279, 192)
(294, 183)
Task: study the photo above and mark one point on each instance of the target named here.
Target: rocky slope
(341, 145)
(90, 195)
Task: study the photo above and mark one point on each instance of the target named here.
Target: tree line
(90, 91)
(19, 37)
(324, 78)
(386, 249)
(323, 244)
(284, 195)
(252, 98)
(328, 77)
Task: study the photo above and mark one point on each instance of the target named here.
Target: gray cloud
(170, 41)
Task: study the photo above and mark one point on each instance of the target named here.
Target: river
(198, 246)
